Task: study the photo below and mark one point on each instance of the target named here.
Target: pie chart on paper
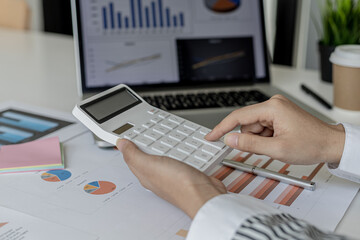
(56, 175)
(99, 187)
(222, 6)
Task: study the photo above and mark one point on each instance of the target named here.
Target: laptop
(199, 59)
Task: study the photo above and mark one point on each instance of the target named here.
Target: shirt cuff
(349, 166)
(222, 215)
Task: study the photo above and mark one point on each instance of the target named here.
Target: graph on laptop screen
(140, 42)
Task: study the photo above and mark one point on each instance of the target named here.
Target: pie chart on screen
(222, 6)
(99, 187)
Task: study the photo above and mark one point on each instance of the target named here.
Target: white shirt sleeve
(230, 217)
(220, 217)
(349, 167)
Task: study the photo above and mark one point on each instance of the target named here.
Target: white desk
(39, 69)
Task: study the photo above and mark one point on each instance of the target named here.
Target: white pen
(270, 174)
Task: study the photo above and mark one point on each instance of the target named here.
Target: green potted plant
(341, 25)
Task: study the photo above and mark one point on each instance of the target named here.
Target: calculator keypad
(173, 136)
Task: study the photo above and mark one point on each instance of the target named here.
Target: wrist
(335, 142)
(200, 194)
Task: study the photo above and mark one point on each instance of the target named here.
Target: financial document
(15, 225)
(97, 193)
(316, 207)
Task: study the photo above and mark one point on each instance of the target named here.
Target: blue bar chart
(19, 126)
(12, 135)
(153, 14)
(23, 121)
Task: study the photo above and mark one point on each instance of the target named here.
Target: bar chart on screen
(305, 204)
(139, 16)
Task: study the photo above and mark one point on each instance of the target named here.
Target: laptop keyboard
(206, 100)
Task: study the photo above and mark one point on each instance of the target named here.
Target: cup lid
(347, 56)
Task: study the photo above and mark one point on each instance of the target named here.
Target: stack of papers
(44, 154)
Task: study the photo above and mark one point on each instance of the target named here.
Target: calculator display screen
(107, 107)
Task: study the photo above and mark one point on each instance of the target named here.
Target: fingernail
(120, 144)
(231, 139)
(208, 135)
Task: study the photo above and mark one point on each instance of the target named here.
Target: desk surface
(39, 69)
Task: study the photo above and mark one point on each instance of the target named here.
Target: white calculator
(120, 113)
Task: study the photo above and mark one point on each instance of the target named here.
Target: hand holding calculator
(120, 113)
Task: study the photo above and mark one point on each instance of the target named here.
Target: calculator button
(185, 149)
(177, 155)
(177, 136)
(199, 137)
(191, 126)
(143, 141)
(203, 156)
(176, 120)
(163, 115)
(153, 111)
(152, 135)
(193, 143)
(210, 150)
(185, 131)
(195, 162)
(218, 145)
(160, 148)
(161, 130)
(156, 120)
(148, 125)
(204, 131)
(139, 130)
(130, 135)
(168, 124)
(168, 142)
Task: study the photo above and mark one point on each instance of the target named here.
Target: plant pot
(325, 64)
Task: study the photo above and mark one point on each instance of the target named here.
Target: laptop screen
(146, 43)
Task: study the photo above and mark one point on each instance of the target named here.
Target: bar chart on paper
(139, 15)
(297, 201)
(263, 188)
(19, 127)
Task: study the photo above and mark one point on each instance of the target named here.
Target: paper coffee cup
(346, 76)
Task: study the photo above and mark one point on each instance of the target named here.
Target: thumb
(252, 143)
(132, 154)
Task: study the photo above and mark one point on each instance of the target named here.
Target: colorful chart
(3, 224)
(222, 5)
(56, 175)
(24, 121)
(266, 187)
(154, 15)
(99, 187)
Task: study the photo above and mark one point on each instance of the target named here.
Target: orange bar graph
(182, 233)
(241, 182)
(3, 224)
(267, 163)
(268, 185)
(224, 172)
(291, 193)
(257, 162)
(245, 179)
